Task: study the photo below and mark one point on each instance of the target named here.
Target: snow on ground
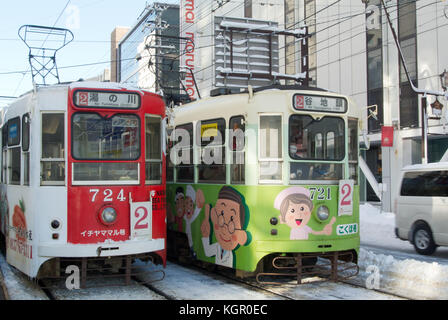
(18, 285)
(186, 284)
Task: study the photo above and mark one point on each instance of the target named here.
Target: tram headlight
(323, 213)
(108, 215)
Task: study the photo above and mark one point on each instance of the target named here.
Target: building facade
(351, 50)
(148, 55)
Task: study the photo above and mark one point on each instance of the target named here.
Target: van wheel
(422, 239)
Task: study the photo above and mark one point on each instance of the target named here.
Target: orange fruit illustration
(19, 221)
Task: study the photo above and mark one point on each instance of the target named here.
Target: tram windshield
(318, 142)
(316, 139)
(98, 138)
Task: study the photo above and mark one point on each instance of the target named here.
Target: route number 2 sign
(345, 207)
(141, 219)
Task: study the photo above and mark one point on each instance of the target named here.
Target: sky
(91, 22)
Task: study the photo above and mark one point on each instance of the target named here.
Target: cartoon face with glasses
(228, 220)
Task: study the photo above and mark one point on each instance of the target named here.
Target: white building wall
(342, 61)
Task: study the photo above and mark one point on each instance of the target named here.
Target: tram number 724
(108, 195)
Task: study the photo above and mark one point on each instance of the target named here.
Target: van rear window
(425, 184)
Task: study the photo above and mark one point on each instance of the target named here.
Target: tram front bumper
(100, 249)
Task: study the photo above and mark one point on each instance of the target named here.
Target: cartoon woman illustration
(295, 208)
(228, 218)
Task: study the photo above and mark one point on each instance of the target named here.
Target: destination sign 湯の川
(319, 103)
(101, 99)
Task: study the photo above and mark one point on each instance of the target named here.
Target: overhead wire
(206, 67)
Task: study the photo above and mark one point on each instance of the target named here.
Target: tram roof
(21, 104)
(225, 97)
(88, 85)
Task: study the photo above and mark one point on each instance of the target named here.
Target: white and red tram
(83, 178)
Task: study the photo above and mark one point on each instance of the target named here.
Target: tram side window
(211, 139)
(353, 148)
(4, 152)
(169, 161)
(53, 149)
(14, 152)
(153, 147)
(270, 144)
(237, 146)
(26, 148)
(184, 152)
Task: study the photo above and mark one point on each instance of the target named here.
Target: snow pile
(377, 228)
(408, 278)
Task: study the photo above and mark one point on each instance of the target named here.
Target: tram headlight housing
(323, 213)
(108, 216)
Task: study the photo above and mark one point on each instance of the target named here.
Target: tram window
(111, 138)
(316, 139)
(169, 161)
(5, 136)
(183, 145)
(26, 168)
(153, 147)
(353, 148)
(26, 148)
(14, 165)
(237, 147)
(270, 146)
(53, 149)
(4, 165)
(14, 131)
(90, 173)
(211, 138)
(318, 148)
(4, 151)
(270, 136)
(26, 132)
(212, 132)
(330, 144)
(301, 171)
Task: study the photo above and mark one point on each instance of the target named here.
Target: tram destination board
(319, 103)
(103, 99)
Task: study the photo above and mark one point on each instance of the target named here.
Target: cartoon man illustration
(295, 208)
(190, 213)
(179, 200)
(228, 219)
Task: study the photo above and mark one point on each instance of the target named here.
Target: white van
(422, 206)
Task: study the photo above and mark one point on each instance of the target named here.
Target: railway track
(192, 282)
(315, 290)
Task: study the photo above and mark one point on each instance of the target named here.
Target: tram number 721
(320, 193)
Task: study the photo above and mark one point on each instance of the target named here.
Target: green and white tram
(266, 181)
